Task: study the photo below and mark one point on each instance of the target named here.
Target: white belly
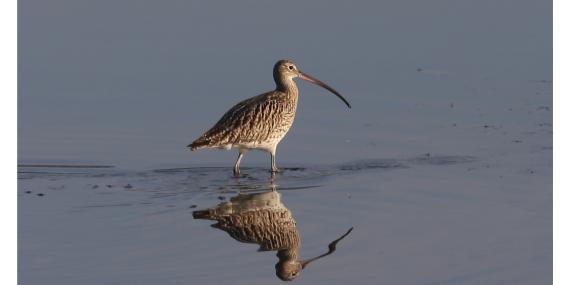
(269, 146)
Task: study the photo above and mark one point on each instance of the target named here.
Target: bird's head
(285, 69)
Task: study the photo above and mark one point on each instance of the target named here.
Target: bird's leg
(237, 165)
(274, 167)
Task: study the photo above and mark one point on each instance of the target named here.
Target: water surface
(443, 166)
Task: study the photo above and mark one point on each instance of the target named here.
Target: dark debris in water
(293, 168)
(64, 166)
(541, 81)
(429, 159)
(372, 164)
(491, 127)
(389, 164)
(544, 108)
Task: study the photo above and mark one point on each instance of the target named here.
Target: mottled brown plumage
(262, 121)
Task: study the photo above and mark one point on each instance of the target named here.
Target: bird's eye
(290, 67)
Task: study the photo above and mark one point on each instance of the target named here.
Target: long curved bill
(316, 81)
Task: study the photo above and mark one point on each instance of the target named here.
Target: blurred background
(131, 83)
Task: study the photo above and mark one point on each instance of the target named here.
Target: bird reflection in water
(262, 218)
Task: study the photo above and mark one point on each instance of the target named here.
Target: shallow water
(443, 166)
(421, 220)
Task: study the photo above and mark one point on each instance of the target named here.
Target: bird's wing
(248, 121)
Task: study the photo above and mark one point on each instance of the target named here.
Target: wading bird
(262, 121)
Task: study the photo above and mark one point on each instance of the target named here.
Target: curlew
(260, 122)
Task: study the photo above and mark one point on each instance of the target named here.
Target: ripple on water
(190, 181)
(428, 159)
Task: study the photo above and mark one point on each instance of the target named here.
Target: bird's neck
(287, 85)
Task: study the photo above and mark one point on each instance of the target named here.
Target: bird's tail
(198, 144)
(207, 214)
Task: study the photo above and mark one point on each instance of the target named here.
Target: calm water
(443, 166)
